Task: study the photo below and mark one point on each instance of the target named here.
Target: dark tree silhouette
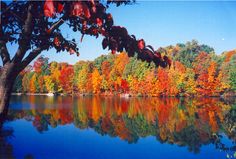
(35, 27)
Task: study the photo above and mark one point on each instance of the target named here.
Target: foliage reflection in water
(190, 123)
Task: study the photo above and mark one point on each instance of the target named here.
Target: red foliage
(80, 9)
(56, 41)
(124, 106)
(99, 22)
(60, 7)
(66, 78)
(96, 21)
(38, 65)
(141, 44)
(124, 85)
(49, 9)
(229, 55)
(66, 116)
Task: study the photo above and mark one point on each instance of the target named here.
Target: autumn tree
(232, 73)
(189, 51)
(35, 27)
(26, 82)
(190, 82)
(55, 69)
(176, 75)
(163, 82)
(49, 84)
(105, 70)
(83, 78)
(96, 81)
(34, 86)
(124, 85)
(211, 75)
(149, 82)
(66, 79)
(117, 70)
(227, 72)
(41, 65)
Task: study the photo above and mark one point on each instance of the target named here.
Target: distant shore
(124, 95)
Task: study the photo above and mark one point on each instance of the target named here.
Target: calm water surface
(115, 128)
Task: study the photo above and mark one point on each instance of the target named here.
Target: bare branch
(56, 25)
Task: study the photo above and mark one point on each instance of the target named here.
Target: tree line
(196, 70)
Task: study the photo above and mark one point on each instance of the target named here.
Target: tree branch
(3, 48)
(26, 36)
(56, 25)
(4, 53)
(24, 40)
(32, 55)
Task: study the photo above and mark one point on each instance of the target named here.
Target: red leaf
(84, 25)
(86, 11)
(113, 52)
(94, 9)
(99, 22)
(77, 9)
(94, 31)
(48, 31)
(49, 10)
(60, 7)
(141, 44)
(56, 41)
(80, 9)
(157, 54)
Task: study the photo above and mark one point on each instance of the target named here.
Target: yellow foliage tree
(96, 81)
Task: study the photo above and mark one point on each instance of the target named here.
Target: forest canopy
(196, 70)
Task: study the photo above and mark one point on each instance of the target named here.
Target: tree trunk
(7, 79)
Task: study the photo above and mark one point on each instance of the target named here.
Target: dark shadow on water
(6, 149)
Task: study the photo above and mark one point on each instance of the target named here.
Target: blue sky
(163, 24)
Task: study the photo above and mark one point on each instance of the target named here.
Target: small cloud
(223, 39)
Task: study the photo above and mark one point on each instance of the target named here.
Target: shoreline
(122, 95)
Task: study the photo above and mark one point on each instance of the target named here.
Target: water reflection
(6, 149)
(184, 122)
(170, 120)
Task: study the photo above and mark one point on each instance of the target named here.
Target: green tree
(189, 51)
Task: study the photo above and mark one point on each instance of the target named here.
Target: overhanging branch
(32, 55)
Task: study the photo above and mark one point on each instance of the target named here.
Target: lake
(44, 127)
